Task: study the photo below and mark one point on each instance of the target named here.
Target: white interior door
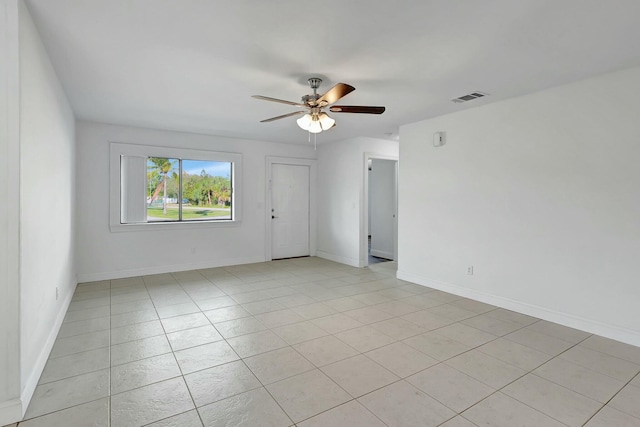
(289, 211)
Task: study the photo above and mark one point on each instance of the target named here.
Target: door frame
(364, 212)
(313, 173)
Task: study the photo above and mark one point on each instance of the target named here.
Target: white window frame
(117, 149)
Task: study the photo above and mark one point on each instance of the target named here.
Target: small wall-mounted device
(439, 139)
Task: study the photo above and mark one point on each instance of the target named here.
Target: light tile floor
(309, 342)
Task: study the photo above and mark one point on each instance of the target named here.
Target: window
(159, 185)
(187, 190)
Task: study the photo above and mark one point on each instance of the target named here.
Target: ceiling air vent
(469, 97)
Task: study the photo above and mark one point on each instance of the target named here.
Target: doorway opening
(380, 237)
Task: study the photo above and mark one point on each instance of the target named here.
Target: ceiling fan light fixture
(305, 121)
(325, 121)
(315, 126)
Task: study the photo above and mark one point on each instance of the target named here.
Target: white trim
(32, 382)
(341, 259)
(11, 411)
(120, 274)
(609, 331)
(116, 149)
(313, 179)
(364, 208)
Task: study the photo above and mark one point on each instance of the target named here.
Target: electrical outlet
(470, 270)
(56, 293)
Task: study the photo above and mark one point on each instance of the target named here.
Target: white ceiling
(192, 65)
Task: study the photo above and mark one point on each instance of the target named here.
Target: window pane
(163, 183)
(206, 190)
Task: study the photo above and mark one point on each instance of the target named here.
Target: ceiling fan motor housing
(314, 83)
(310, 99)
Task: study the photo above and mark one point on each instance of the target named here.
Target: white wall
(540, 195)
(382, 203)
(104, 254)
(341, 207)
(47, 204)
(10, 405)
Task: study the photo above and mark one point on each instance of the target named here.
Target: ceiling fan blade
(335, 93)
(282, 116)
(282, 101)
(356, 109)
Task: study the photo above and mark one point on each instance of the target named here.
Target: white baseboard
(32, 381)
(160, 269)
(381, 254)
(588, 325)
(10, 411)
(342, 260)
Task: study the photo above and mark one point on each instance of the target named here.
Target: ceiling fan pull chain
(315, 142)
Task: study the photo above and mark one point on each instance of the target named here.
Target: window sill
(184, 225)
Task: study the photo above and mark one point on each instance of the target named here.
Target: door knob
(272, 216)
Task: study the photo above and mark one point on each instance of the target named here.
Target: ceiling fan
(315, 120)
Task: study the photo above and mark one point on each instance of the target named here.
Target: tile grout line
(531, 372)
(613, 397)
